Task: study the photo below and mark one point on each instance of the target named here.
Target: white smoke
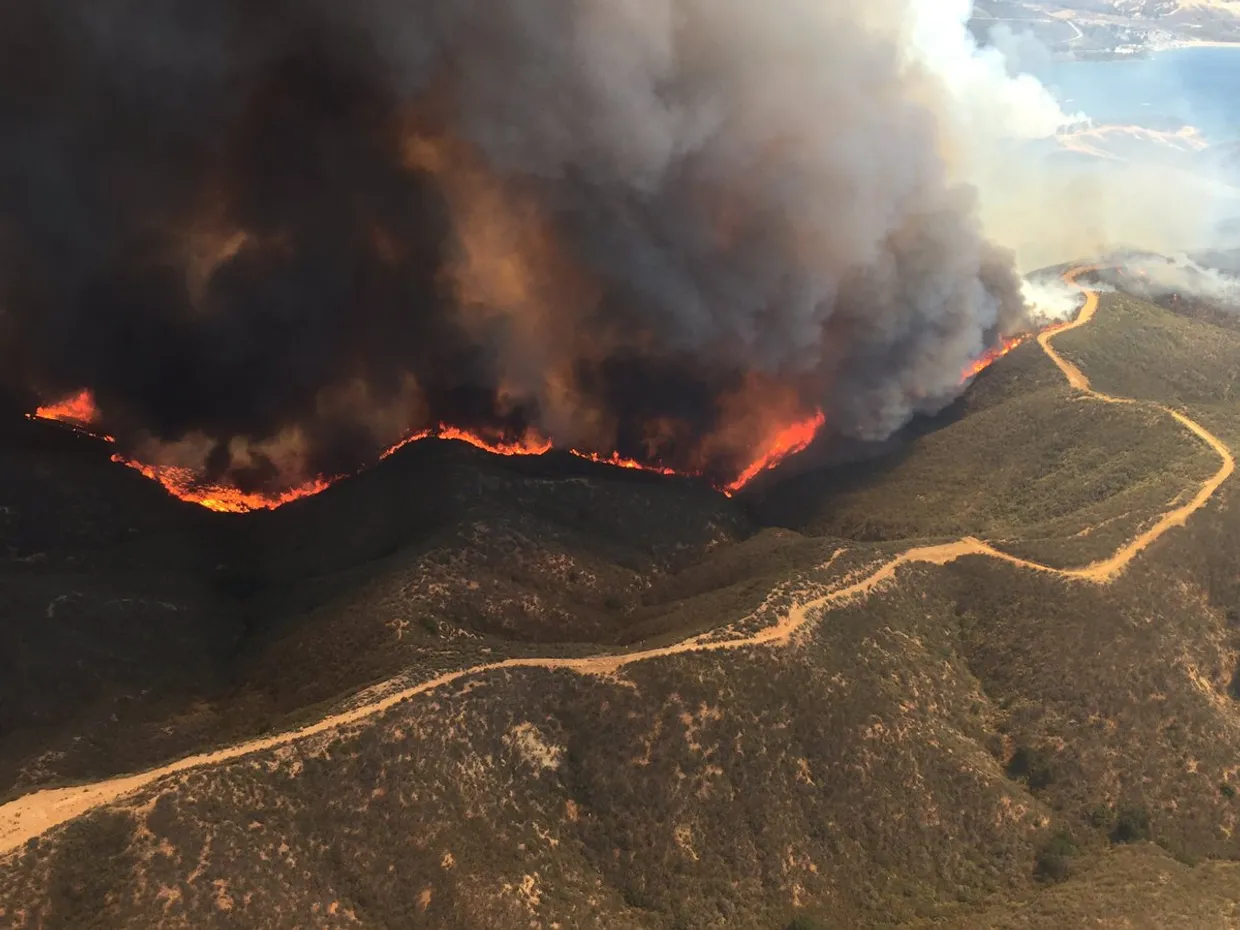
(1004, 130)
(1050, 297)
(989, 105)
(1186, 277)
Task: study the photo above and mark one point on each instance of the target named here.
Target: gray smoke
(651, 225)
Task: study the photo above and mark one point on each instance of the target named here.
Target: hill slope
(948, 736)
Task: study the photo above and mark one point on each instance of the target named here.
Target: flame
(990, 356)
(788, 441)
(187, 485)
(616, 460)
(78, 411)
(397, 446)
(529, 444)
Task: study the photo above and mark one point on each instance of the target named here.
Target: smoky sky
(620, 223)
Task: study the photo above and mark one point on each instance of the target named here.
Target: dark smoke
(621, 223)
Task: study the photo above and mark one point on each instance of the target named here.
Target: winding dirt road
(34, 814)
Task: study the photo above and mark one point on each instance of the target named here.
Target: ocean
(1197, 86)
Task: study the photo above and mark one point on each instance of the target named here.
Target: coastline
(1148, 50)
(1198, 43)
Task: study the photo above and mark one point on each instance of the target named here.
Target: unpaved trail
(35, 813)
(1111, 567)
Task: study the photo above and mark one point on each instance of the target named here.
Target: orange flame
(529, 444)
(78, 411)
(617, 461)
(185, 484)
(788, 441)
(990, 356)
(397, 446)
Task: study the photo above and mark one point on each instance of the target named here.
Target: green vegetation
(1054, 860)
(1196, 360)
(1035, 768)
(1132, 825)
(1040, 473)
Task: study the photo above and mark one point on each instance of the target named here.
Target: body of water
(1194, 86)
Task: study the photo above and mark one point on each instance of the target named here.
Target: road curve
(33, 814)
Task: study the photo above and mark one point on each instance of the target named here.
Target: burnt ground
(975, 745)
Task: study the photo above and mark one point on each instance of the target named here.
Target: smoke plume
(1061, 188)
(273, 238)
(1051, 298)
(1182, 276)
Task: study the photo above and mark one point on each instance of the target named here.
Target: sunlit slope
(1025, 461)
(1133, 887)
(1136, 349)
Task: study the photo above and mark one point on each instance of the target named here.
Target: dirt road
(34, 814)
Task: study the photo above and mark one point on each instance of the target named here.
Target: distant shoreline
(1144, 52)
(1197, 43)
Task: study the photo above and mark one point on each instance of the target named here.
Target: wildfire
(529, 444)
(78, 411)
(186, 484)
(788, 441)
(616, 460)
(990, 356)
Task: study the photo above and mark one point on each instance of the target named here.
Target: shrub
(1132, 825)
(1032, 766)
(1054, 859)
(1099, 816)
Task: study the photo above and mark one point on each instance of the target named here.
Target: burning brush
(80, 412)
(681, 242)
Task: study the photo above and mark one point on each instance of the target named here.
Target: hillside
(136, 627)
(717, 713)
